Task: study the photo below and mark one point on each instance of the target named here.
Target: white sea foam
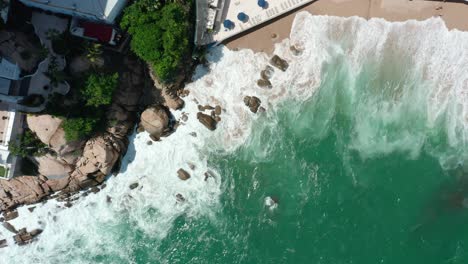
(93, 227)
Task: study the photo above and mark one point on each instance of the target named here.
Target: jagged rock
(267, 73)
(155, 120)
(9, 227)
(253, 103)
(279, 63)
(22, 190)
(10, 215)
(23, 237)
(264, 83)
(207, 121)
(100, 155)
(133, 185)
(3, 243)
(183, 175)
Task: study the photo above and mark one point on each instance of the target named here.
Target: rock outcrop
(86, 166)
(253, 103)
(279, 63)
(23, 237)
(155, 120)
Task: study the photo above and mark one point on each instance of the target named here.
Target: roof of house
(100, 32)
(9, 70)
(100, 9)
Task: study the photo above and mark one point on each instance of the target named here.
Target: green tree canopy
(160, 35)
(78, 128)
(99, 89)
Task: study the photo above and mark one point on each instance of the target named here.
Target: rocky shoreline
(76, 166)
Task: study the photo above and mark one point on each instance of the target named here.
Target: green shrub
(27, 145)
(160, 35)
(78, 128)
(99, 89)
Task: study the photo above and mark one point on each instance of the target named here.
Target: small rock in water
(95, 189)
(209, 174)
(11, 215)
(279, 63)
(193, 134)
(264, 83)
(180, 198)
(201, 108)
(253, 103)
(108, 199)
(183, 175)
(149, 142)
(207, 121)
(267, 73)
(31, 209)
(209, 107)
(217, 119)
(218, 110)
(184, 117)
(3, 243)
(295, 51)
(133, 185)
(9, 227)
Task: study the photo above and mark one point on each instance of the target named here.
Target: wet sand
(265, 36)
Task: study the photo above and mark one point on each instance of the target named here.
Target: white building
(99, 10)
(10, 124)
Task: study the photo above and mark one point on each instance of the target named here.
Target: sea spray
(392, 87)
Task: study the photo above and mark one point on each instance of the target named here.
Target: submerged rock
(295, 51)
(279, 63)
(183, 175)
(133, 185)
(253, 103)
(9, 227)
(207, 121)
(180, 198)
(264, 83)
(267, 73)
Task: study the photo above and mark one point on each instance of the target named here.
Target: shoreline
(264, 37)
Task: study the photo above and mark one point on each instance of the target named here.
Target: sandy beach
(265, 36)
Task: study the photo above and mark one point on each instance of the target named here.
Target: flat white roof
(99, 9)
(9, 70)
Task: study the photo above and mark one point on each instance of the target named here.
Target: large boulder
(155, 121)
(279, 63)
(207, 120)
(253, 103)
(44, 126)
(100, 155)
(52, 168)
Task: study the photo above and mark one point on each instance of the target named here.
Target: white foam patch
(93, 227)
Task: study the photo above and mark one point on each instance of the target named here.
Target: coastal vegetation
(99, 89)
(27, 145)
(160, 34)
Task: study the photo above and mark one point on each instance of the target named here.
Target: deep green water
(354, 180)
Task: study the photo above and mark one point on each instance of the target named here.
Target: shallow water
(361, 157)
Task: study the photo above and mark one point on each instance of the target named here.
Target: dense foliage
(84, 112)
(99, 89)
(160, 34)
(27, 145)
(78, 128)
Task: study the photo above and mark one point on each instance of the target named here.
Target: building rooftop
(106, 10)
(9, 70)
